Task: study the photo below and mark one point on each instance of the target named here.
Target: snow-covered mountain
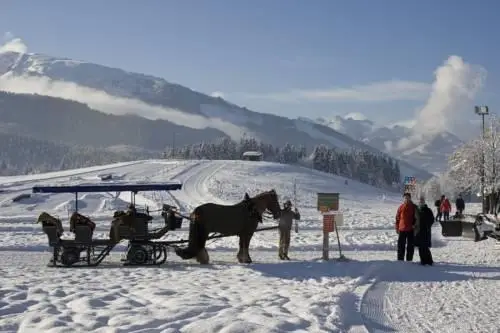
(430, 154)
(116, 91)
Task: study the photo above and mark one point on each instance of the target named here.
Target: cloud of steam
(13, 44)
(449, 105)
(106, 103)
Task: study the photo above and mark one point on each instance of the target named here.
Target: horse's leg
(241, 251)
(202, 254)
(248, 238)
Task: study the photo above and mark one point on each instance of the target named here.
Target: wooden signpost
(328, 205)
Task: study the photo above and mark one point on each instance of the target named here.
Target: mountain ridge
(166, 96)
(431, 154)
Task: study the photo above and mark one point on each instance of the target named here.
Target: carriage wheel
(137, 255)
(70, 256)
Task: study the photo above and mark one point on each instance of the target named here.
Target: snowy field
(370, 293)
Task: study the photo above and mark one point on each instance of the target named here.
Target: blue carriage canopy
(134, 188)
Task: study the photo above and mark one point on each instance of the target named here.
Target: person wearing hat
(406, 218)
(285, 228)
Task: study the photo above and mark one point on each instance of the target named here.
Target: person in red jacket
(406, 218)
(445, 208)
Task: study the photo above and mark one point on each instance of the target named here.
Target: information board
(328, 202)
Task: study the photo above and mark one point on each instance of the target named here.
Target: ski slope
(370, 293)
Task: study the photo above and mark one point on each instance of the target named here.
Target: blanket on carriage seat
(48, 220)
(79, 219)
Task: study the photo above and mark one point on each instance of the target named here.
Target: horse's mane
(265, 193)
(258, 196)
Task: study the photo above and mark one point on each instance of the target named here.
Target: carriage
(132, 225)
(144, 244)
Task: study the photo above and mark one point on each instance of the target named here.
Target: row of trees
(227, 149)
(375, 169)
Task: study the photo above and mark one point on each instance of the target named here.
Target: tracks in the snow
(372, 309)
(193, 183)
(369, 316)
(178, 203)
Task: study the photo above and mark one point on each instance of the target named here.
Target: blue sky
(288, 57)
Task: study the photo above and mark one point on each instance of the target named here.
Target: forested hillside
(374, 169)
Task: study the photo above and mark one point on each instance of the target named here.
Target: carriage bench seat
(83, 234)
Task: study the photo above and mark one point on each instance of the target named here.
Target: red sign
(328, 223)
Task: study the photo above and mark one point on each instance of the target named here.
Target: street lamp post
(482, 111)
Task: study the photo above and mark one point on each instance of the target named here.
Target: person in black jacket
(422, 231)
(437, 204)
(460, 204)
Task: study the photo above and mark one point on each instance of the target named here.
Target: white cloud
(217, 94)
(107, 103)
(450, 103)
(356, 116)
(13, 44)
(394, 90)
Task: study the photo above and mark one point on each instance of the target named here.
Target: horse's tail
(197, 238)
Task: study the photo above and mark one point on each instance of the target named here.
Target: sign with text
(328, 202)
(410, 184)
(410, 180)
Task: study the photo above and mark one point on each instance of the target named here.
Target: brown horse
(239, 220)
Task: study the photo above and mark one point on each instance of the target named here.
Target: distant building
(253, 156)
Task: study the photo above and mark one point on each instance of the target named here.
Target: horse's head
(269, 201)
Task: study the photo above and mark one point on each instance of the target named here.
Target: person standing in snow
(460, 205)
(445, 208)
(406, 218)
(422, 231)
(437, 204)
(285, 227)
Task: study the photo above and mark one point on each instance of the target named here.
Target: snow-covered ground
(369, 293)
